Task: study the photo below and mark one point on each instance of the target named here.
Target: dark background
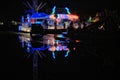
(15, 8)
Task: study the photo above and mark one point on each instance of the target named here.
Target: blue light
(41, 48)
(53, 10)
(66, 55)
(58, 48)
(60, 36)
(38, 22)
(39, 15)
(28, 49)
(22, 44)
(67, 10)
(19, 28)
(53, 55)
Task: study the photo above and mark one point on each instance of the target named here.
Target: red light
(33, 20)
(73, 17)
(77, 41)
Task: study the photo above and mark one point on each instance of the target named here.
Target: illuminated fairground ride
(61, 18)
(38, 22)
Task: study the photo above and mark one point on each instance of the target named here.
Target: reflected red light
(77, 41)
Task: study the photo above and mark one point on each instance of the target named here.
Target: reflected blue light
(67, 53)
(28, 49)
(19, 28)
(58, 48)
(41, 48)
(53, 54)
(22, 44)
(60, 36)
(29, 44)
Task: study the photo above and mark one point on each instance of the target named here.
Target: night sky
(15, 8)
